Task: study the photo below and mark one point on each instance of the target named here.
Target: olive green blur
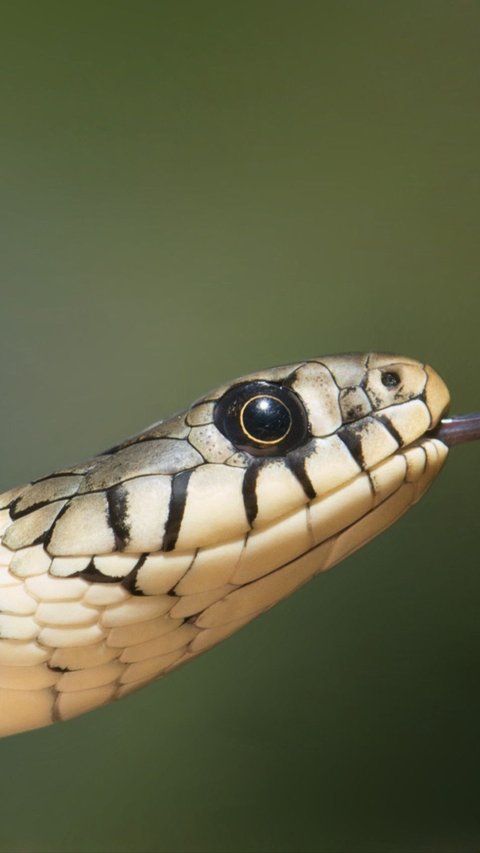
(189, 191)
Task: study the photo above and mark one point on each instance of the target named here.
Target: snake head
(117, 570)
(298, 433)
(245, 456)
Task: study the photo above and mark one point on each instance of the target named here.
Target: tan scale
(143, 632)
(114, 572)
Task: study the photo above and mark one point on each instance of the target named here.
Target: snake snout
(437, 396)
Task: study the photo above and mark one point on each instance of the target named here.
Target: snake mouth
(458, 429)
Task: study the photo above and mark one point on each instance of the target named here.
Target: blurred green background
(190, 191)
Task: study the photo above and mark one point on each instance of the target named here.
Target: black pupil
(390, 379)
(266, 419)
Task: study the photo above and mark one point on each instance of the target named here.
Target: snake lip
(458, 429)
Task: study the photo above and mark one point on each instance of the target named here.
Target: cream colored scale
(114, 572)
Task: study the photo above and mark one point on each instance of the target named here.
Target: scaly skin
(114, 572)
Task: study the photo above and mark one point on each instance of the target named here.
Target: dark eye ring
(262, 418)
(390, 379)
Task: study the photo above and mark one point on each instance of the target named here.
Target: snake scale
(118, 570)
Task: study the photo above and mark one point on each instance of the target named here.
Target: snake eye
(262, 418)
(390, 379)
(265, 419)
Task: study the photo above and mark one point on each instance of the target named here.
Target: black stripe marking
(296, 463)
(352, 439)
(423, 399)
(130, 581)
(371, 484)
(12, 508)
(56, 716)
(384, 419)
(117, 500)
(44, 538)
(176, 509)
(92, 574)
(249, 492)
(19, 513)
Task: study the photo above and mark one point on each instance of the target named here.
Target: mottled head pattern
(119, 569)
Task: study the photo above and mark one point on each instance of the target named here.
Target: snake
(118, 570)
